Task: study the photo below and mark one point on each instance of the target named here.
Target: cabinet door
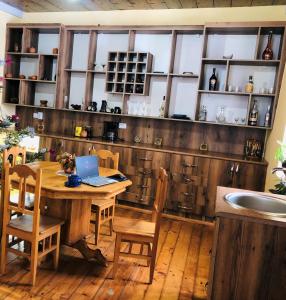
(187, 188)
(249, 176)
(220, 174)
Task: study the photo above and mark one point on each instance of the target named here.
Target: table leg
(76, 214)
(90, 254)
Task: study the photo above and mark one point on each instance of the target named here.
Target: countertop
(223, 209)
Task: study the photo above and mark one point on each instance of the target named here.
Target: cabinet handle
(188, 179)
(185, 207)
(185, 165)
(232, 169)
(145, 172)
(237, 169)
(145, 158)
(142, 186)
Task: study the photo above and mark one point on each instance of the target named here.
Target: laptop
(87, 170)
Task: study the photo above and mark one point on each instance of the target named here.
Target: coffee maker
(110, 131)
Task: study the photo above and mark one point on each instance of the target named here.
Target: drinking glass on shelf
(243, 120)
(236, 119)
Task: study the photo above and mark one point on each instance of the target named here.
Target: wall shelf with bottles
(32, 55)
(181, 78)
(242, 55)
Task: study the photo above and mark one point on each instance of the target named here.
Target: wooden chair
(104, 209)
(144, 233)
(14, 155)
(41, 232)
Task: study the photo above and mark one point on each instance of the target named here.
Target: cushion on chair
(133, 226)
(25, 223)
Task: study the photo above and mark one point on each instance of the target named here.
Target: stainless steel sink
(266, 205)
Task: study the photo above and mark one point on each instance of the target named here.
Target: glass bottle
(253, 115)
(203, 113)
(162, 108)
(220, 116)
(267, 117)
(268, 52)
(249, 86)
(213, 81)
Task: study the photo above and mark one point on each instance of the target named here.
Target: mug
(73, 181)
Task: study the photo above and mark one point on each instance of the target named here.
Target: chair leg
(110, 226)
(34, 261)
(3, 251)
(56, 253)
(149, 254)
(152, 267)
(116, 254)
(97, 225)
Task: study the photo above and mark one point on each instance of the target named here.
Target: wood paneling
(182, 248)
(245, 259)
(84, 5)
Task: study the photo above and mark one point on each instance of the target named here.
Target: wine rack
(127, 73)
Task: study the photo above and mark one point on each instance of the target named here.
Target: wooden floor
(181, 270)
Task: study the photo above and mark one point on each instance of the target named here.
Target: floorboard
(181, 272)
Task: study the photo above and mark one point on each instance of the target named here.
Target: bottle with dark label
(213, 81)
(253, 115)
(267, 117)
(268, 52)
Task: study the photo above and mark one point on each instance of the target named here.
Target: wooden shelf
(184, 75)
(243, 62)
(27, 54)
(76, 71)
(236, 93)
(177, 150)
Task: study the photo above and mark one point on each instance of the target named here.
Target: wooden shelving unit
(44, 64)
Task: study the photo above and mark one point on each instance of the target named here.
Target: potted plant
(280, 170)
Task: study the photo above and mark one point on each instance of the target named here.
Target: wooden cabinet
(187, 185)
(234, 174)
(192, 179)
(248, 261)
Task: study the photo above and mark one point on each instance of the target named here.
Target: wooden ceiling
(84, 5)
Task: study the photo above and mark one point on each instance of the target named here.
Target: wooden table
(72, 204)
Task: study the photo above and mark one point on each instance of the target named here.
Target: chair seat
(25, 223)
(133, 226)
(101, 203)
(29, 198)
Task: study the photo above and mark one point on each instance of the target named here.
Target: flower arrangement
(67, 162)
(8, 121)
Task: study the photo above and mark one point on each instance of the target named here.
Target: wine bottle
(267, 117)
(253, 115)
(249, 85)
(268, 52)
(213, 81)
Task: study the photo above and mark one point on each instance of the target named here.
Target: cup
(73, 180)
(230, 88)
(271, 90)
(237, 89)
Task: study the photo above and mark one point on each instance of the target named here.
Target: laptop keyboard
(98, 180)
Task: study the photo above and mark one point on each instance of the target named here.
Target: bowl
(31, 50)
(22, 76)
(43, 103)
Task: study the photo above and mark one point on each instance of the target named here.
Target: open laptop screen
(86, 166)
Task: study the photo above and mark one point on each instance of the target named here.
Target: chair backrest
(21, 174)
(106, 157)
(159, 202)
(13, 154)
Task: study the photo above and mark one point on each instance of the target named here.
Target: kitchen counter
(223, 209)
